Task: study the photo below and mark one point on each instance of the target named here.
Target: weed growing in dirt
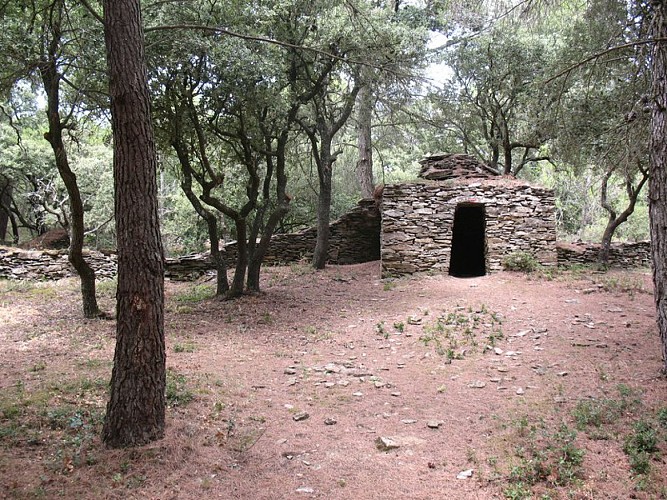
(107, 288)
(598, 412)
(64, 417)
(185, 347)
(661, 416)
(301, 268)
(543, 456)
(266, 319)
(38, 367)
(317, 335)
(611, 418)
(44, 290)
(455, 333)
(622, 284)
(640, 445)
(196, 293)
(178, 392)
(380, 329)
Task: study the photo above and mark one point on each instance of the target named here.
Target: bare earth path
(340, 385)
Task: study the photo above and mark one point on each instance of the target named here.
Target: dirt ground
(341, 385)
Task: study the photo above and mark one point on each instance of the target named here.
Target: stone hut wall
(418, 219)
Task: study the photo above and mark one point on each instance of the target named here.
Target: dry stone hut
(464, 219)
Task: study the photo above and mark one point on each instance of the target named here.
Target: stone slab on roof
(445, 166)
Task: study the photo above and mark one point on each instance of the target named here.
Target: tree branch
(273, 41)
(597, 55)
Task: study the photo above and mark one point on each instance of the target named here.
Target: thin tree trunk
(218, 257)
(323, 215)
(658, 173)
(255, 263)
(15, 228)
(236, 288)
(51, 79)
(616, 220)
(5, 207)
(364, 168)
(136, 409)
(222, 283)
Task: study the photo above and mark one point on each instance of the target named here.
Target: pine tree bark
(136, 408)
(658, 173)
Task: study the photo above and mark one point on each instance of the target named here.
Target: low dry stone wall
(637, 254)
(16, 263)
(418, 219)
(355, 238)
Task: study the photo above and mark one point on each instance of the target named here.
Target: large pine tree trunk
(136, 408)
(658, 174)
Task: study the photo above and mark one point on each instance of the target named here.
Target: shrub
(520, 261)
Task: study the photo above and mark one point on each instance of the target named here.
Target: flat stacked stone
(622, 254)
(445, 166)
(354, 238)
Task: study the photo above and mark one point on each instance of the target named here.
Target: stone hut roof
(445, 166)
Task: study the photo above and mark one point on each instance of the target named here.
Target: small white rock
(465, 474)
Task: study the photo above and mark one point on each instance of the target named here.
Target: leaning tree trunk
(51, 79)
(259, 252)
(658, 173)
(222, 283)
(616, 220)
(5, 207)
(364, 167)
(136, 408)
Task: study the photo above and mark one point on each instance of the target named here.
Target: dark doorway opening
(468, 257)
